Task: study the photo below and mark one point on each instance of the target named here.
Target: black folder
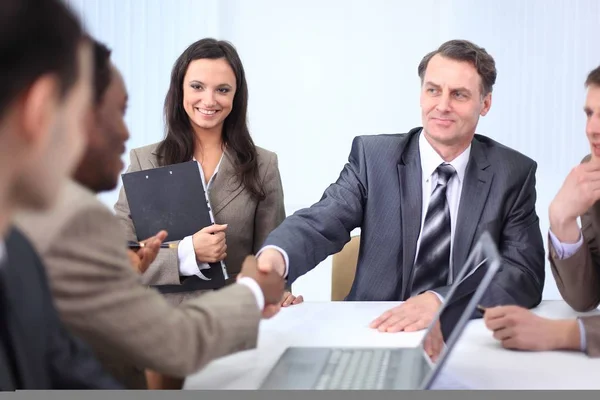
(172, 198)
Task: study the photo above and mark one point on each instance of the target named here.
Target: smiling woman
(205, 113)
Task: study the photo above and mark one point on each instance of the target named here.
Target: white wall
(322, 72)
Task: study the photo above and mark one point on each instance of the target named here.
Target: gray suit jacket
(100, 297)
(379, 190)
(249, 221)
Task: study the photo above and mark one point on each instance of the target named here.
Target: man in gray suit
(422, 199)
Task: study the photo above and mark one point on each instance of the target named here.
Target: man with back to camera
(45, 90)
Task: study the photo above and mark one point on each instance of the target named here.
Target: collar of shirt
(430, 160)
(214, 175)
(2, 252)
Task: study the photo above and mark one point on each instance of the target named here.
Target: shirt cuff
(582, 340)
(565, 250)
(438, 295)
(283, 253)
(188, 266)
(256, 290)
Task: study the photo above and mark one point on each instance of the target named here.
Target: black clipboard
(172, 198)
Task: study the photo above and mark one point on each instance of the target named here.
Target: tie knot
(445, 172)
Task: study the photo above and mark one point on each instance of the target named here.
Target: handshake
(267, 271)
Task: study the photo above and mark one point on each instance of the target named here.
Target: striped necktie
(433, 261)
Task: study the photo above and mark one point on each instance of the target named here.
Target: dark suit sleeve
(520, 279)
(312, 234)
(71, 364)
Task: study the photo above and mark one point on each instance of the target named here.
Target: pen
(139, 245)
(481, 308)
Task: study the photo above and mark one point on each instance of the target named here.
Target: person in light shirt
(574, 256)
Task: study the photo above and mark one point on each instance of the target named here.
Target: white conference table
(477, 361)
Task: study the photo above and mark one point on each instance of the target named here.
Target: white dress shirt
(565, 250)
(188, 264)
(430, 160)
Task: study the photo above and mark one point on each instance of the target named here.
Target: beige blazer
(578, 277)
(101, 298)
(249, 221)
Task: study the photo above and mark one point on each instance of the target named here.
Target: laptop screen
(459, 306)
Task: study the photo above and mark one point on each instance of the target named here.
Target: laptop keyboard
(355, 369)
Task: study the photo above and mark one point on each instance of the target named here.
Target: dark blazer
(379, 190)
(46, 355)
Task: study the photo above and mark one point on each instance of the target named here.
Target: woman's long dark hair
(178, 145)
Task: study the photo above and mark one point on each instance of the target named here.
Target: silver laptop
(372, 368)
